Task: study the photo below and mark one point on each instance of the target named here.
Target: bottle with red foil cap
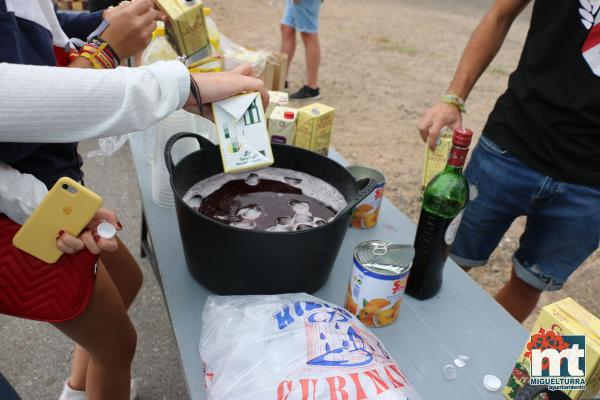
(444, 200)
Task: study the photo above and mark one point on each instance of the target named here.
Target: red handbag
(32, 289)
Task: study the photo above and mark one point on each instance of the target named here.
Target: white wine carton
(242, 132)
(282, 125)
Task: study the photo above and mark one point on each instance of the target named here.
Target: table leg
(147, 247)
(144, 235)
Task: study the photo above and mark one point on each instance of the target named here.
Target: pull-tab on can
(378, 280)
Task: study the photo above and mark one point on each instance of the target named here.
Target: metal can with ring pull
(377, 282)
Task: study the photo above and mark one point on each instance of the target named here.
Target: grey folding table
(462, 320)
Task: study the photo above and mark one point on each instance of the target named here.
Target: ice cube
(303, 218)
(252, 180)
(243, 224)
(277, 228)
(195, 201)
(292, 181)
(300, 207)
(250, 212)
(221, 217)
(303, 227)
(284, 221)
(319, 221)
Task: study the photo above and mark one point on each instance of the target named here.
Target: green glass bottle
(444, 199)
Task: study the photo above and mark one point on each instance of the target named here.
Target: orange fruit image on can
(379, 274)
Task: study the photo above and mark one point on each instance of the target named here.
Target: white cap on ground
(106, 230)
(449, 372)
(492, 383)
(461, 361)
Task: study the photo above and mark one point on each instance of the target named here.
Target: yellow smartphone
(68, 206)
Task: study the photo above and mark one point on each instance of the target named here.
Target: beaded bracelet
(453, 99)
(100, 54)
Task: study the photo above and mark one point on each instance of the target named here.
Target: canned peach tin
(366, 212)
(378, 280)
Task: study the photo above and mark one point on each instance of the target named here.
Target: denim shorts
(563, 219)
(302, 16)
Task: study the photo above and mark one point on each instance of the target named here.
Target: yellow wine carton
(282, 125)
(435, 160)
(242, 132)
(276, 99)
(563, 353)
(314, 127)
(186, 27)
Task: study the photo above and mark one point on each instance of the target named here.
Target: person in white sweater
(133, 100)
(64, 105)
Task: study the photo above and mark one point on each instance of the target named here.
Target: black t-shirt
(549, 117)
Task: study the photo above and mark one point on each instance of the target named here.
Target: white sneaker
(72, 394)
(133, 391)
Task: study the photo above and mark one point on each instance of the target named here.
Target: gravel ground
(384, 63)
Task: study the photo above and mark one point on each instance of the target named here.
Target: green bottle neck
(452, 169)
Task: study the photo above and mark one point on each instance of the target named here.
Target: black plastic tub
(230, 260)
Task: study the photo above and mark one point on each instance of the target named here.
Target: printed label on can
(453, 228)
(375, 298)
(366, 213)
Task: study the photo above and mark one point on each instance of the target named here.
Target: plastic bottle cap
(462, 137)
(288, 115)
(159, 31)
(459, 362)
(206, 11)
(492, 383)
(106, 230)
(449, 372)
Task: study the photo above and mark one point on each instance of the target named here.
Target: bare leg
(313, 58)
(288, 43)
(127, 277)
(107, 334)
(518, 298)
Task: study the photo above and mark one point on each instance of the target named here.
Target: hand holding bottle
(444, 199)
(435, 119)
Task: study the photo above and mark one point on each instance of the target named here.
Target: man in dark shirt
(539, 154)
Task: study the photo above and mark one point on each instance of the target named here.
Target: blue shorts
(563, 219)
(303, 16)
